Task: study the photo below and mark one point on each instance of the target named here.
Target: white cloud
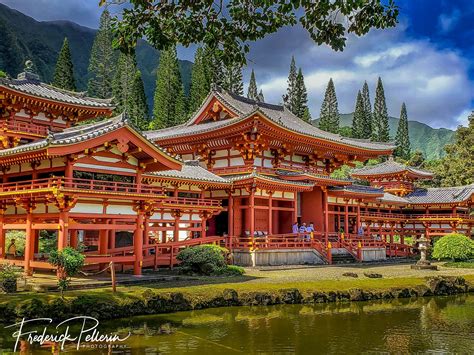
(448, 21)
(433, 82)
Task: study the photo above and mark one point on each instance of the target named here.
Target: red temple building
(239, 172)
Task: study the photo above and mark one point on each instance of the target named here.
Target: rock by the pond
(373, 275)
(350, 274)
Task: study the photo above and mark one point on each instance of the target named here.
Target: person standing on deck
(310, 230)
(303, 231)
(294, 228)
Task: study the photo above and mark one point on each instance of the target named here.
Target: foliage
(138, 105)
(19, 237)
(64, 71)
(232, 79)
(103, 60)
(169, 108)
(200, 83)
(402, 138)
(346, 132)
(329, 117)
(367, 107)
(296, 98)
(454, 246)
(261, 98)
(9, 275)
(469, 264)
(205, 260)
(68, 261)
(122, 85)
(228, 27)
(416, 159)
(252, 92)
(457, 168)
(344, 172)
(380, 128)
(3, 74)
(359, 118)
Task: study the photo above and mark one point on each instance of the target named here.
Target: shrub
(8, 278)
(455, 247)
(206, 260)
(230, 270)
(68, 261)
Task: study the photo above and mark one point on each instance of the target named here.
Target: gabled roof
(83, 133)
(393, 199)
(278, 114)
(391, 167)
(358, 189)
(441, 195)
(191, 170)
(309, 176)
(257, 176)
(31, 86)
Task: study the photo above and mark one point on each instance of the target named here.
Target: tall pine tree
(300, 106)
(329, 117)
(290, 97)
(213, 67)
(232, 79)
(169, 105)
(402, 139)
(138, 106)
(103, 60)
(64, 71)
(123, 82)
(200, 82)
(359, 118)
(380, 128)
(367, 121)
(252, 92)
(261, 98)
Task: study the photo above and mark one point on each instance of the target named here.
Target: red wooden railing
(25, 127)
(413, 216)
(187, 201)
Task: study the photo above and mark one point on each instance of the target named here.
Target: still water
(427, 325)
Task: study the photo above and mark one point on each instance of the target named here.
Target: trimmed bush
(9, 275)
(456, 247)
(207, 260)
(68, 261)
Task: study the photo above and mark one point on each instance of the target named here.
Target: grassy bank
(220, 292)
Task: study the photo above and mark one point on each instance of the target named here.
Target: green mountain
(430, 141)
(22, 38)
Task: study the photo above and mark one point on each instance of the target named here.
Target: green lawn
(461, 264)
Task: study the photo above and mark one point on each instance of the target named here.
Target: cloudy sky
(426, 61)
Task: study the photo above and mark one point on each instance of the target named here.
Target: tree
(138, 105)
(290, 97)
(232, 79)
(200, 81)
(367, 122)
(416, 158)
(380, 129)
(3, 74)
(260, 97)
(359, 118)
(329, 117)
(12, 52)
(123, 82)
(103, 60)
(68, 262)
(229, 27)
(252, 92)
(457, 167)
(301, 98)
(213, 67)
(64, 71)
(454, 246)
(402, 138)
(169, 107)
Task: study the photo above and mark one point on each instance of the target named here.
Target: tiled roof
(255, 174)
(78, 134)
(311, 175)
(38, 89)
(441, 195)
(191, 170)
(390, 167)
(244, 107)
(390, 198)
(358, 189)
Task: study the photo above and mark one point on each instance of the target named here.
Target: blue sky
(426, 61)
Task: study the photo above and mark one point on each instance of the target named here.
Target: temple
(239, 173)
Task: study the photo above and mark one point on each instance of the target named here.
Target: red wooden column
(346, 217)
(103, 241)
(146, 232)
(270, 212)
(204, 217)
(112, 236)
(28, 242)
(138, 244)
(63, 229)
(358, 217)
(3, 246)
(73, 241)
(230, 214)
(326, 216)
(252, 212)
(177, 216)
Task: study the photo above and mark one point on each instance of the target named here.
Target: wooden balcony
(26, 128)
(377, 216)
(185, 202)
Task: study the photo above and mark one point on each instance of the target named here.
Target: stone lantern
(423, 263)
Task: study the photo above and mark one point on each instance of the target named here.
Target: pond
(425, 325)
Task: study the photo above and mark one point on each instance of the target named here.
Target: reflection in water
(443, 324)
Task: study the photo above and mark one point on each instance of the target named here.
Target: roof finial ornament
(29, 72)
(49, 136)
